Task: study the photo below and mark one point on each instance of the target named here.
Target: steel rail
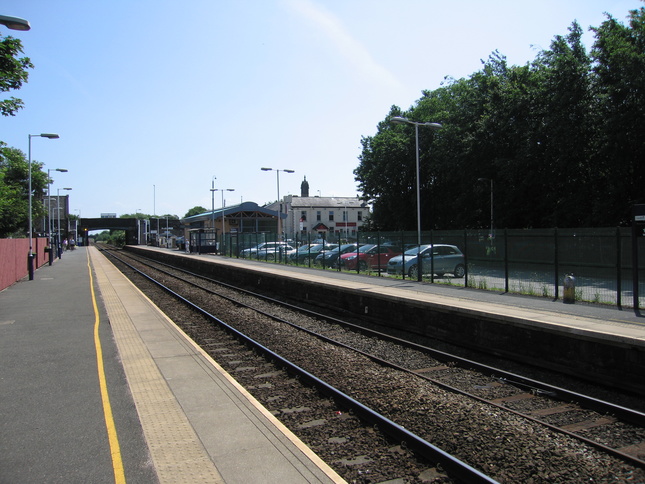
(628, 415)
(458, 468)
(608, 450)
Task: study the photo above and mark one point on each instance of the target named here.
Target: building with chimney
(320, 216)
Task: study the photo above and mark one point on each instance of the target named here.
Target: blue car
(444, 258)
(330, 258)
(308, 253)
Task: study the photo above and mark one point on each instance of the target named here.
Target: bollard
(569, 289)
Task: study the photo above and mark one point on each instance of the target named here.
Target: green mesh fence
(531, 262)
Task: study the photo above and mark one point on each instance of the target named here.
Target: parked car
(445, 259)
(330, 257)
(369, 257)
(267, 251)
(309, 252)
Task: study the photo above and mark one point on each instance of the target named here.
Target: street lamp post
(136, 214)
(223, 217)
(49, 211)
(60, 251)
(279, 201)
(213, 208)
(76, 224)
(491, 206)
(30, 256)
(433, 126)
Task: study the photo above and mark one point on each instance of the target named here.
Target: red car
(369, 257)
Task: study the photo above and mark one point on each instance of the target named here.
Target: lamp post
(279, 201)
(14, 23)
(213, 207)
(30, 256)
(60, 251)
(76, 224)
(223, 217)
(435, 127)
(491, 206)
(49, 202)
(136, 215)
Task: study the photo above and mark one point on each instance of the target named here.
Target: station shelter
(223, 229)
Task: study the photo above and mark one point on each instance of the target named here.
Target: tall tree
(14, 191)
(564, 129)
(13, 73)
(195, 211)
(619, 55)
(386, 175)
(562, 139)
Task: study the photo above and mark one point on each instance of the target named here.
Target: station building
(318, 216)
(301, 216)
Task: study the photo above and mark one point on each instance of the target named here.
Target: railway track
(413, 385)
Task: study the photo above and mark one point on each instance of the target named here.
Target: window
(303, 216)
(318, 216)
(331, 215)
(359, 216)
(345, 216)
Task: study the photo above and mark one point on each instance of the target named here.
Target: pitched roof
(234, 210)
(327, 202)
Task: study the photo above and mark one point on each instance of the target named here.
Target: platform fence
(523, 261)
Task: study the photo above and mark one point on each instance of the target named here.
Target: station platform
(624, 324)
(605, 343)
(97, 385)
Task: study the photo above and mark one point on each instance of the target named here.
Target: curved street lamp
(435, 127)
(14, 23)
(279, 201)
(30, 256)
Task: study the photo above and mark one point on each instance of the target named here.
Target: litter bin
(569, 289)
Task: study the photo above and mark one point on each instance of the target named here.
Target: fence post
(431, 259)
(506, 285)
(619, 272)
(635, 265)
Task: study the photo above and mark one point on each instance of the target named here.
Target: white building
(318, 216)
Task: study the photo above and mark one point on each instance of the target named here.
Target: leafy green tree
(195, 211)
(619, 56)
(142, 216)
(14, 191)
(138, 215)
(564, 128)
(383, 176)
(13, 73)
(562, 139)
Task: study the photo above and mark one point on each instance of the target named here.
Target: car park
(444, 258)
(267, 251)
(309, 252)
(330, 257)
(369, 257)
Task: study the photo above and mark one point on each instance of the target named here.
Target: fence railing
(531, 261)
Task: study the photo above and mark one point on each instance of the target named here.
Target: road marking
(115, 450)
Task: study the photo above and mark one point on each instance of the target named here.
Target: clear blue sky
(152, 98)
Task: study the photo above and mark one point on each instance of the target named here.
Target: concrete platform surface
(97, 385)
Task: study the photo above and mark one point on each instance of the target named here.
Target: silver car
(267, 251)
(444, 258)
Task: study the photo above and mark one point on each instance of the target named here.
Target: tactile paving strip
(175, 449)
